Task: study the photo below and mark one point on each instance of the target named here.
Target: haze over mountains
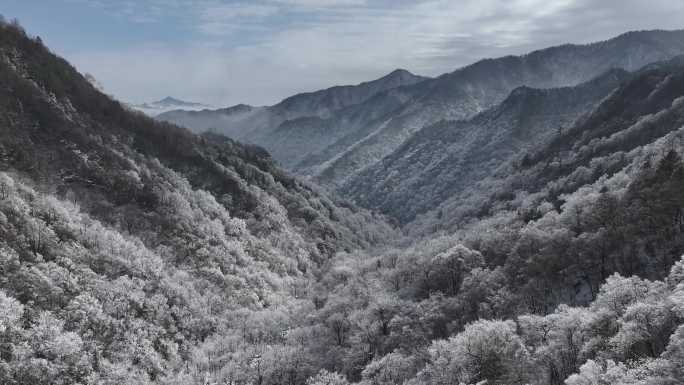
(258, 124)
(168, 104)
(533, 229)
(329, 138)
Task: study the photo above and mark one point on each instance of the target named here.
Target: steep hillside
(125, 242)
(643, 110)
(444, 159)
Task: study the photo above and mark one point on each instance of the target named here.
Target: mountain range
(518, 221)
(331, 138)
(442, 160)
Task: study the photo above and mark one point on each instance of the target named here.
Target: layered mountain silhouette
(330, 138)
(313, 111)
(444, 159)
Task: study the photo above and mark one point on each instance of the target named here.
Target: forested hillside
(126, 242)
(135, 252)
(442, 160)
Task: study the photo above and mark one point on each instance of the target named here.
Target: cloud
(261, 51)
(225, 19)
(321, 3)
(136, 12)
(231, 12)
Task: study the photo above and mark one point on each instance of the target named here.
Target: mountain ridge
(319, 148)
(448, 152)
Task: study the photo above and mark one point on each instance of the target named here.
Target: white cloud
(234, 11)
(259, 52)
(225, 19)
(321, 3)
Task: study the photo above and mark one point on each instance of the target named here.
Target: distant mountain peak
(401, 72)
(171, 99)
(169, 103)
(401, 75)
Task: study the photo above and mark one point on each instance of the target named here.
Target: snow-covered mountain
(168, 104)
(478, 87)
(334, 134)
(300, 126)
(449, 158)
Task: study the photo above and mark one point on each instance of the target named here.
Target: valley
(519, 220)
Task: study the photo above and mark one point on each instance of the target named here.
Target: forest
(133, 251)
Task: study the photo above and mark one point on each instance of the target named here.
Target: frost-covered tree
(485, 350)
(325, 377)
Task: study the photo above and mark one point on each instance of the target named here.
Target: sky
(225, 52)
